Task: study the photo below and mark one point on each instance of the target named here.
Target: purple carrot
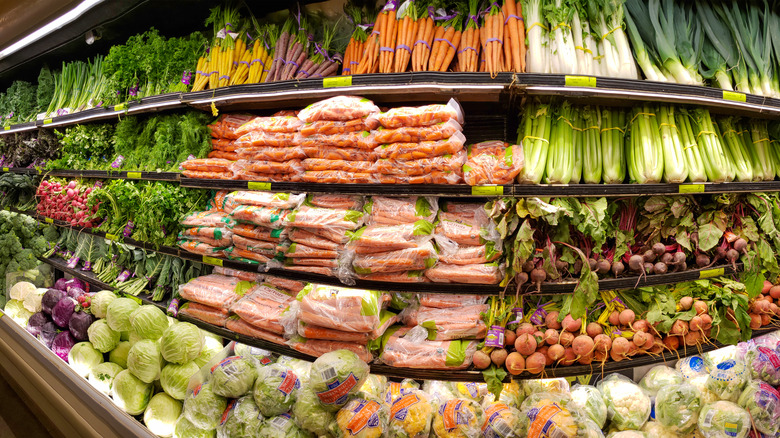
(295, 66)
(279, 51)
(303, 72)
(330, 70)
(292, 61)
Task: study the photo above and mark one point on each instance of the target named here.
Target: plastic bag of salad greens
(242, 419)
(185, 429)
(310, 415)
(723, 419)
(275, 389)
(282, 426)
(203, 408)
(591, 402)
(678, 406)
(762, 401)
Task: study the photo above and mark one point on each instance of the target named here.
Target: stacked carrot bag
(318, 232)
(208, 232)
(259, 313)
(210, 297)
(329, 318)
(220, 161)
(337, 140)
(421, 145)
(470, 247)
(268, 148)
(396, 245)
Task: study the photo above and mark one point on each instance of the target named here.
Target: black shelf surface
(419, 374)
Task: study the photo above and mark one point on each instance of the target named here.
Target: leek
(717, 163)
(538, 53)
(736, 148)
(716, 66)
(606, 19)
(613, 153)
(591, 146)
(675, 169)
(584, 44)
(720, 38)
(560, 159)
(693, 159)
(760, 144)
(646, 55)
(644, 153)
(563, 57)
(750, 32)
(534, 136)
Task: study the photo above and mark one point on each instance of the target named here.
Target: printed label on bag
(337, 392)
(400, 409)
(290, 382)
(364, 416)
(454, 414)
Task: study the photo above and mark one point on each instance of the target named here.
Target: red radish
(627, 317)
(602, 343)
(498, 356)
(565, 338)
(569, 357)
(570, 324)
(555, 352)
(593, 329)
(551, 337)
(551, 320)
(582, 345)
(700, 306)
(535, 363)
(686, 303)
(515, 363)
(525, 344)
(525, 328)
(509, 337)
(481, 360)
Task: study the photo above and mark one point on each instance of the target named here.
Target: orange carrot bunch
(493, 39)
(421, 49)
(514, 32)
(468, 53)
(357, 42)
(408, 16)
(445, 42)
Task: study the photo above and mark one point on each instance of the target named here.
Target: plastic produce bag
(273, 235)
(214, 236)
(318, 218)
(628, 407)
(207, 219)
(488, 273)
(233, 377)
(337, 177)
(411, 349)
(334, 153)
(470, 255)
(493, 162)
(762, 402)
(382, 238)
(242, 419)
(275, 139)
(458, 418)
(226, 125)
(764, 364)
(330, 127)
(207, 165)
(263, 306)
(342, 309)
(314, 240)
(361, 418)
(426, 115)
(421, 150)
(677, 407)
(319, 347)
(364, 140)
(270, 124)
(203, 408)
(263, 199)
(724, 419)
(270, 153)
(551, 414)
(503, 421)
(337, 375)
(692, 366)
(281, 426)
(411, 415)
(310, 415)
(410, 259)
(276, 389)
(310, 331)
(658, 377)
(413, 134)
(338, 108)
(590, 401)
(341, 202)
(213, 290)
(434, 177)
(451, 323)
(262, 216)
(201, 248)
(445, 163)
(318, 164)
(374, 386)
(727, 379)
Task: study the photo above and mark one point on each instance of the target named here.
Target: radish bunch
(65, 202)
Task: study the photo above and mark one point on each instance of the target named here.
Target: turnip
(600, 356)
(700, 306)
(551, 337)
(640, 325)
(565, 338)
(672, 342)
(657, 347)
(555, 352)
(775, 309)
(679, 328)
(762, 307)
(767, 286)
(547, 360)
(660, 268)
(509, 337)
(602, 343)
(686, 303)
(525, 344)
(582, 345)
(593, 329)
(515, 363)
(627, 317)
(539, 335)
(525, 328)
(755, 321)
(636, 262)
(535, 363)
(614, 317)
(498, 356)
(551, 320)
(570, 324)
(774, 292)
(481, 360)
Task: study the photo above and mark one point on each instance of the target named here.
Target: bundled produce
(32, 149)
(78, 86)
(66, 201)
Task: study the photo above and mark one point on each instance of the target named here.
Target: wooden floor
(16, 419)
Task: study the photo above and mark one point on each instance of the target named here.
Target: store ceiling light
(50, 27)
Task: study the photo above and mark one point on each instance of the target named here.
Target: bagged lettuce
(677, 407)
(242, 419)
(282, 426)
(336, 376)
(203, 408)
(275, 389)
(233, 377)
(762, 402)
(310, 415)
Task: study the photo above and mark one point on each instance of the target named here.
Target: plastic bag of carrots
(344, 309)
(396, 277)
(263, 307)
(420, 257)
(364, 140)
(313, 240)
(297, 250)
(211, 315)
(382, 238)
(343, 202)
(442, 301)
(317, 164)
(273, 139)
(424, 166)
(330, 127)
(319, 218)
(348, 154)
(273, 235)
(199, 174)
(493, 162)
(201, 248)
(208, 165)
(489, 273)
(319, 270)
(212, 290)
(208, 219)
(262, 199)
(290, 287)
(224, 145)
(425, 115)
(241, 275)
(471, 255)
(449, 323)
(395, 211)
(262, 216)
(339, 109)
(312, 262)
(423, 149)
(217, 234)
(415, 134)
(435, 177)
(235, 253)
(238, 325)
(407, 347)
(261, 247)
(223, 155)
(311, 331)
(273, 167)
(270, 153)
(273, 124)
(318, 347)
(268, 177)
(225, 126)
(335, 235)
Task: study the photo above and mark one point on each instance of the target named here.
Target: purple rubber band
(490, 40)
(403, 46)
(386, 49)
(446, 41)
(515, 16)
(224, 77)
(423, 42)
(467, 48)
(244, 62)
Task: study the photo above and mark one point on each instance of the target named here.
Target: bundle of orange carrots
(438, 35)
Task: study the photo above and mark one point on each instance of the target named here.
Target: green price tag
(338, 81)
(133, 175)
(7, 128)
(691, 188)
(120, 107)
(487, 190)
(5, 169)
(113, 237)
(253, 185)
(734, 96)
(580, 81)
(212, 261)
(709, 273)
(243, 287)
(48, 220)
(134, 298)
(47, 121)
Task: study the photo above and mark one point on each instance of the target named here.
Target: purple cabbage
(60, 284)
(63, 311)
(48, 333)
(62, 344)
(36, 322)
(50, 299)
(78, 325)
(75, 283)
(75, 292)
